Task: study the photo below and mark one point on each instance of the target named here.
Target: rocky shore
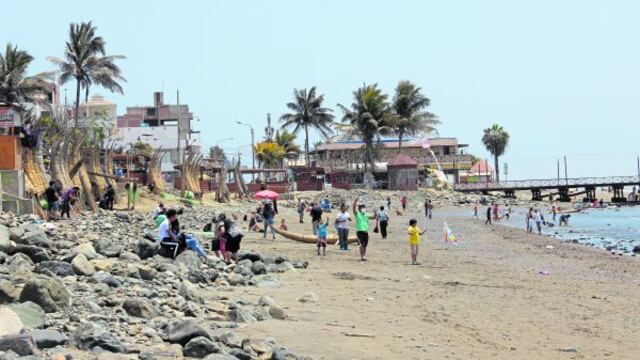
(94, 288)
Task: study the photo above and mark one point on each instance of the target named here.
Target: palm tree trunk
(306, 145)
(400, 134)
(77, 103)
(496, 165)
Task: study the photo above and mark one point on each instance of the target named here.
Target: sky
(560, 76)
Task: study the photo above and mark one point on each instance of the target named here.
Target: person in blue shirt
(322, 236)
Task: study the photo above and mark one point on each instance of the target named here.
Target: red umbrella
(266, 194)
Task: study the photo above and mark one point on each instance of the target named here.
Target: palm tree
(408, 106)
(307, 112)
(269, 154)
(369, 117)
(287, 140)
(217, 154)
(85, 60)
(15, 86)
(496, 140)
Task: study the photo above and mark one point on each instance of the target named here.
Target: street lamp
(253, 150)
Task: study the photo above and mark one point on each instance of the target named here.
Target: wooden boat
(311, 239)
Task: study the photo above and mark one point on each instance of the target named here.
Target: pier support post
(590, 193)
(536, 195)
(510, 194)
(564, 194)
(618, 194)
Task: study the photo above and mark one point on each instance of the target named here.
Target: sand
(484, 299)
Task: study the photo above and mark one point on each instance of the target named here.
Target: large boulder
(146, 272)
(82, 266)
(59, 268)
(36, 238)
(8, 292)
(19, 345)
(35, 253)
(258, 268)
(191, 292)
(241, 315)
(49, 293)
(200, 347)
(88, 336)
(189, 259)
(48, 338)
(181, 331)
(146, 249)
(31, 314)
(11, 323)
(6, 244)
(87, 250)
(108, 248)
(139, 307)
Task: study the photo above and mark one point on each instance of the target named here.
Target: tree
(15, 86)
(269, 154)
(307, 112)
(287, 140)
(142, 148)
(369, 117)
(496, 140)
(217, 154)
(85, 60)
(410, 117)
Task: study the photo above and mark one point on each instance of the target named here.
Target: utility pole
(558, 170)
(268, 131)
(638, 165)
(566, 176)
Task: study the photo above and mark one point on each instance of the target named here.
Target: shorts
(215, 244)
(322, 241)
(363, 238)
(414, 243)
(54, 206)
(233, 243)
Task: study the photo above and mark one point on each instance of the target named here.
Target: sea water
(612, 228)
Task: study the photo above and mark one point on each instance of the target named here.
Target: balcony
(447, 162)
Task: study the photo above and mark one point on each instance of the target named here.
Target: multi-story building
(163, 126)
(348, 155)
(99, 112)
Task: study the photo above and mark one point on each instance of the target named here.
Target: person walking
(316, 216)
(383, 221)
(268, 213)
(301, 207)
(389, 203)
(429, 209)
(342, 225)
(403, 202)
(51, 195)
(489, 209)
(475, 210)
(362, 226)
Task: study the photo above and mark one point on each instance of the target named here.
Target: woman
(342, 225)
(383, 221)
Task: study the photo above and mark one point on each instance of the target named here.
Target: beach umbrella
(266, 194)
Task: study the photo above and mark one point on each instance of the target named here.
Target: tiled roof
(402, 159)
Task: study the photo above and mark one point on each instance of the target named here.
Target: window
(447, 150)
(151, 112)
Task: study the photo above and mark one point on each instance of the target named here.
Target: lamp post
(253, 150)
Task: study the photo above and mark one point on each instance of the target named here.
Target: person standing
(109, 196)
(268, 213)
(429, 209)
(301, 207)
(475, 210)
(403, 202)
(389, 203)
(414, 240)
(342, 225)
(51, 195)
(489, 209)
(554, 212)
(362, 227)
(496, 214)
(316, 216)
(383, 221)
(68, 199)
(321, 240)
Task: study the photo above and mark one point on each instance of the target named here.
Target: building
(163, 126)
(99, 112)
(347, 155)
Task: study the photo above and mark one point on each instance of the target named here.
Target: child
(414, 240)
(253, 223)
(322, 237)
(283, 225)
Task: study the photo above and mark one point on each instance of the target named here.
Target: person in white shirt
(159, 210)
(342, 225)
(164, 230)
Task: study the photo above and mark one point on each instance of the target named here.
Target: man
(167, 238)
(268, 212)
(68, 199)
(362, 227)
(109, 196)
(342, 225)
(403, 202)
(301, 207)
(51, 195)
(316, 216)
(489, 209)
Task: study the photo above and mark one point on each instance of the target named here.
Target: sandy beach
(501, 293)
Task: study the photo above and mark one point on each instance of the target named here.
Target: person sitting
(159, 210)
(283, 225)
(253, 223)
(167, 237)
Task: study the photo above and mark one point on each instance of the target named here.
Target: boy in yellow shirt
(414, 240)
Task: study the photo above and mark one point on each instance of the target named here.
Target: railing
(549, 183)
(423, 159)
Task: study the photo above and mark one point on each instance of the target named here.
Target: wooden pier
(557, 187)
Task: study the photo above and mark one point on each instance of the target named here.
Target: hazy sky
(561, 76)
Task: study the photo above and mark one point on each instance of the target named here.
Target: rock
(220, 357)
(181, 331)
(49, 293)
(87, 250)
(282, 353)
(22, 345)
(269, 282)
(258, 346)
(108, 248)
(46, 339)
(106, 278)
(258, 268)
(82, 266)
(132, 271)
(277, 312)
(58, 268)
(253, 256)
(35, 253)
(241, 354)
(101, 264)
(241, 315)
(190, 292)
(11, 323)
(309, 297)
(237, 279)
(139, 307)
(8, 292)
(6, 244)
(89, 336)
(146, 273)
(3, 257)
(146, 249)
(129, 257)
(20, 260)
(636, 249)
(231, 340)
(189, 259)
(30, 313)
(266, 300)
(200, 347)
(36, 238)
(261, 314)
(161, 351)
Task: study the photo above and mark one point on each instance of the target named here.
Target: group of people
(493, 213)
(57, 200)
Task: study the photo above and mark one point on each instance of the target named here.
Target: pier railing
(549, 183)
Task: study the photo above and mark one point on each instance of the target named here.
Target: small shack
(402, 172)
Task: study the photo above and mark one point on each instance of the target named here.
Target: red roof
(402, 159)
(480, 168)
